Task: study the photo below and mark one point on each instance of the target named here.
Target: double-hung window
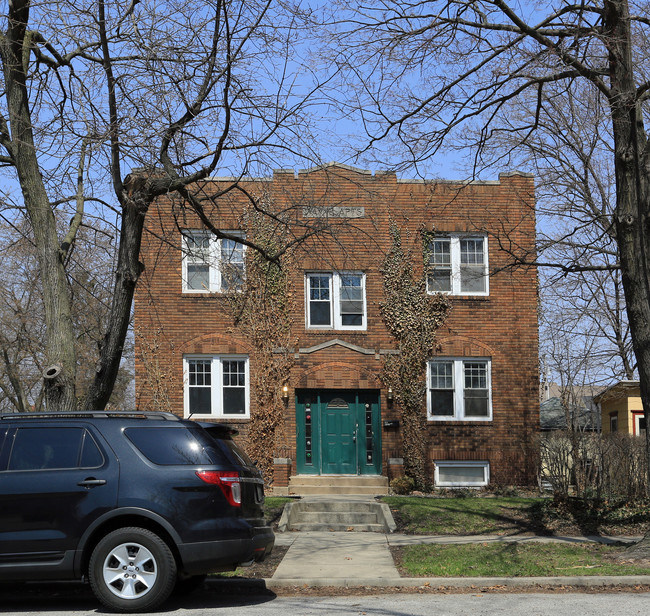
(336, 300)
(197, 261)
(459, 389)
(216, 385)
(212, 265)
(458, 265)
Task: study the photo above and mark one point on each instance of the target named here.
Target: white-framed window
(459, 388)
(640, 425)
(212, 265)
(458, 265)
(335, 300)
(216, 386)
(461, 474)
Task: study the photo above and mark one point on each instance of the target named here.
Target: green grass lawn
(516, 515)
(461, 516)
(512, 560)
(502, 516)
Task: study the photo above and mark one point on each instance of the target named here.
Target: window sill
(219, 418)
(204, 293)
(324, 330)
(480, 298)
(457, 420)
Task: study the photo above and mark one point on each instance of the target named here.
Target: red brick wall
(502, 326)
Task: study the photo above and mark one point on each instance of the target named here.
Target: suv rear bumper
(263, 542)
(225, 555)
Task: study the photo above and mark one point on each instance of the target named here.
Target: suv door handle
(91, 483)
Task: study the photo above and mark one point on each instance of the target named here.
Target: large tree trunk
(128, 271)
(632, 216)
(60, 351)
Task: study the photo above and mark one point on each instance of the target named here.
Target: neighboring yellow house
(621, 409)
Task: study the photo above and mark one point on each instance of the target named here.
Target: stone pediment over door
(346, 345)
(336, 342)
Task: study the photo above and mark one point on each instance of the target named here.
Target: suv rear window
(175, 445)
(236, 454)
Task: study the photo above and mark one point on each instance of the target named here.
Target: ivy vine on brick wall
(157, 377)
(413, 317)
(261, 314)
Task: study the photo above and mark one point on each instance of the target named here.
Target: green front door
(338, 436)
(338, 432)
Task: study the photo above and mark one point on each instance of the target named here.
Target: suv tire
(132, 569)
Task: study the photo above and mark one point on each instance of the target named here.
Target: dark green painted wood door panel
(338, 432)
(338, 440)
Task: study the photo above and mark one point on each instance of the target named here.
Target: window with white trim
(461, 474)
(336, 300)
(210, 264)
(216, 386)
(459, 389)
(640, 425)
(458, 265)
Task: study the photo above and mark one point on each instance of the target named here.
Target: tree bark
(129, 268)
(14, 47)
(632, 216)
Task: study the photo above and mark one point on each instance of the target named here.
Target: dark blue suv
(136, 503)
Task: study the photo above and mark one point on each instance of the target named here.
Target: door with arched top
(338, 432)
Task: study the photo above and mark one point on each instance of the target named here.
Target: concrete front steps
(341, 514)
(335, 485)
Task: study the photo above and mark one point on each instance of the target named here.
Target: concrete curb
(446, 583)
(270, 584)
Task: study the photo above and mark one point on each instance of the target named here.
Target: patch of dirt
(265, 569)
(397, 553)
(426, 588)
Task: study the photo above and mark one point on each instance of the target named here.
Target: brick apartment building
(337, 418)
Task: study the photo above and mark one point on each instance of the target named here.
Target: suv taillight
(228, 481)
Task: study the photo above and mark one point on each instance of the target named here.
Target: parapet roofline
(334, 165)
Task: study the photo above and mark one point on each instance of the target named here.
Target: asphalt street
(316, 562)
(71, 600)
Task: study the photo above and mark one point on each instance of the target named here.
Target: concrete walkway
(354, 559)
(335, 556)
(401, 540)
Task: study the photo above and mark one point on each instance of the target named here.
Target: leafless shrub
(594, 465)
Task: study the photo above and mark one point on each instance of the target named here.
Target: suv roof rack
(63, 414)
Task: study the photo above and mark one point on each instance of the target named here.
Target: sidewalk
(357, 559)
(335, 556)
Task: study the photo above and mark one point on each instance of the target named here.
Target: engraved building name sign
(333, 212)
